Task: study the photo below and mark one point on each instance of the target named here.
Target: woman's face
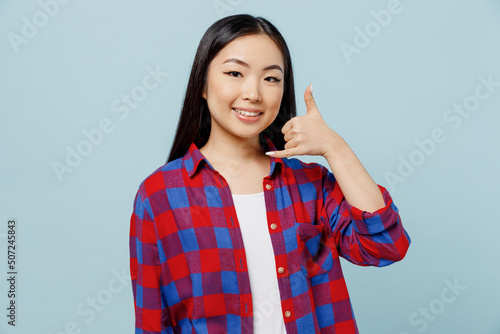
(244, 87)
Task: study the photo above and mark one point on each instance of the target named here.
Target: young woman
(232, 235)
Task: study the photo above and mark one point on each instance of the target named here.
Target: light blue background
(73, 234)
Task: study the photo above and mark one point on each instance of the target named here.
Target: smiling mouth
(247, 113)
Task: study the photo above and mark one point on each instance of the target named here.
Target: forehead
(258, 49)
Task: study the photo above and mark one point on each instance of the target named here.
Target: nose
(251, 91)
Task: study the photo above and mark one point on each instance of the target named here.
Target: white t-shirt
(267, 312)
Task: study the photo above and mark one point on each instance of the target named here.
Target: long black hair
(195, 123)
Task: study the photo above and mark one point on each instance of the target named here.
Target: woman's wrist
(335, 147)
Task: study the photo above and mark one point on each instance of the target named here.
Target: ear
(204, 92)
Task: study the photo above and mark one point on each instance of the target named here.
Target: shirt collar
(193, 158)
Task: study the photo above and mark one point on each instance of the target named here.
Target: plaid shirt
(188, 265)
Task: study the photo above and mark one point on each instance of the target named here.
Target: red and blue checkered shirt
(188, 266)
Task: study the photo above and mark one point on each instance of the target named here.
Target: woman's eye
(272, 79)
(233, 73)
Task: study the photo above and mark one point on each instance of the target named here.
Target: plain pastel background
(394, 91)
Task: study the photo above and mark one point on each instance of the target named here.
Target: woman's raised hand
(308, 134)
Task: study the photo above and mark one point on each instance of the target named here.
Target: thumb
(309, 99)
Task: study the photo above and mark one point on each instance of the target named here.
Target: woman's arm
(364, 221)
(358, 187)
(151, 315)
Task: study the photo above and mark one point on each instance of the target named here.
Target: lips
(247, 115)
(248, 112)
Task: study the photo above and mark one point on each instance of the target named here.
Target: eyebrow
(242, 63)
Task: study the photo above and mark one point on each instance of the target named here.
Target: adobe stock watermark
(371, 30)
(89, 309)
(265, 308)
(421, 318)
(30, 26)
(225, 7)
(454, 116)
(121, 108)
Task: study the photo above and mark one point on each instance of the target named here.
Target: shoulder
(162, 178)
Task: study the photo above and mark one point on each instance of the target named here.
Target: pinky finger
(283, 154)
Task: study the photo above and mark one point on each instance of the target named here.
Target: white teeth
(246, 113)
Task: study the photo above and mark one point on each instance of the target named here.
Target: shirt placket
(275, 227)
(240, 262)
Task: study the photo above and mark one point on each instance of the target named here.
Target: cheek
(223, 92)
(274, 99)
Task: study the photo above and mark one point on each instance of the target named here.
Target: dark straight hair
(194, 122)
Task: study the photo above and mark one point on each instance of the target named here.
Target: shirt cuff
(370, 223)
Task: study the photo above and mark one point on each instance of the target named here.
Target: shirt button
(288, 314)
(281, 270)
(274, 226)
(269, 187)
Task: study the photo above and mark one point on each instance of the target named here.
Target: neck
(226, 148)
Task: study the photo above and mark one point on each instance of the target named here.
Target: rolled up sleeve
(364, 238)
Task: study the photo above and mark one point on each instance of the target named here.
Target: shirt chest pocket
(316, 248)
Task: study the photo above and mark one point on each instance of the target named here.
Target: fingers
(287, 126)
(294, 127)
(288, 136)
(311, 109)
(284, 153)
(291, 148)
